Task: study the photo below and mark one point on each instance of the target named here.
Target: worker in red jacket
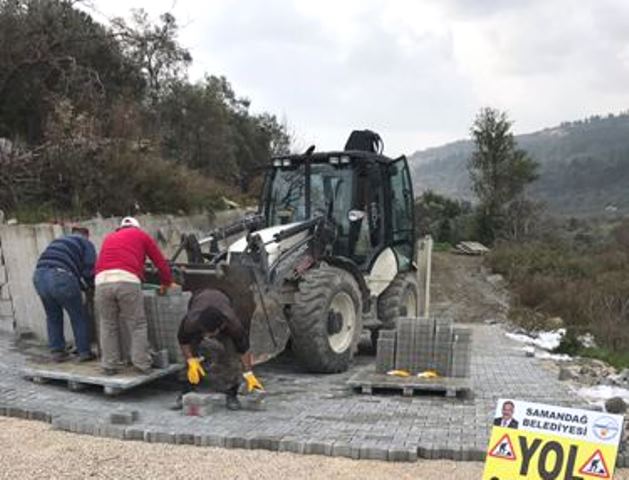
(118, 298)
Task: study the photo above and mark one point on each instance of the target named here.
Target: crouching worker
(216, 347)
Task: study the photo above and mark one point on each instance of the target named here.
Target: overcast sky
(416, 71)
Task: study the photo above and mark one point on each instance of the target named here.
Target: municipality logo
(605, 428)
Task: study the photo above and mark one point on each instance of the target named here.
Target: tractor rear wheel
(398, 300)
(326, 319)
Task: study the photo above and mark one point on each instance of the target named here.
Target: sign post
(543, 442)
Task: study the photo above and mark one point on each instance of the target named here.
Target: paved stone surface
(306, 413)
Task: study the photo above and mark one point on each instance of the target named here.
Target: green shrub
(588, 289)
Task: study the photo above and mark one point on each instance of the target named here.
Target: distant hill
(584, 166)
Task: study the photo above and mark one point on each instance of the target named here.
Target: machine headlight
(345, 159)
(277, 163)
(286, 162)
(334, 160)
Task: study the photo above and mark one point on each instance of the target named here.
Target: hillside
(584, 166)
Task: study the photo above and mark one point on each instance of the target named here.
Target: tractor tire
(398, 300)
(326, 319)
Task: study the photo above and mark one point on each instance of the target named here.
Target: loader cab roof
(324, 157)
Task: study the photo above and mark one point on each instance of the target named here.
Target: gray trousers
(121, 305)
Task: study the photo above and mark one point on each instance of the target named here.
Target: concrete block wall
(22, 244)
(6, 304)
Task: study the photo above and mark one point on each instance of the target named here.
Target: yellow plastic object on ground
(399, 373)
(428, 374)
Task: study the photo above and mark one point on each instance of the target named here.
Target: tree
(442, 217)
(500, 172)
(153, 48)
(49, 52)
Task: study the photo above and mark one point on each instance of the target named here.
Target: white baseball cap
(129, 222)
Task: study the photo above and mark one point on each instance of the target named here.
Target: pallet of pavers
(418, 345)
(79, 376)
(163, 314)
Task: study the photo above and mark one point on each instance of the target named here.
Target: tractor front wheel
(326, 319)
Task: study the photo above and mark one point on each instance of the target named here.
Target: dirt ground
(462, 289)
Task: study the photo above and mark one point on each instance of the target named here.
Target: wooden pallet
(368, 381)
(80, 375)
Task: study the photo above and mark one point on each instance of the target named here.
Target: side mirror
(355, 215)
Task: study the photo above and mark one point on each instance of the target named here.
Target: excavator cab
(367, 197)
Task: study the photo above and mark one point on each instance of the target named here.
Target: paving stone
(184, 439)
(373, 453)
(133, 434)
(306, 413)
(123, 417)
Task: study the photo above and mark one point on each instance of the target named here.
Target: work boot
(178, 405)
(231, 400)
(59, 356)
(86, 357)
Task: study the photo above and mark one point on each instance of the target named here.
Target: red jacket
(126, 249)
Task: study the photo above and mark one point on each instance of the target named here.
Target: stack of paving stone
(442, 347)
(422, 357)
(385, 359)
(461, 352)
(420, 344)
(164, 314)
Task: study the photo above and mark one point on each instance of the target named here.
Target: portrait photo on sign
(505, 415)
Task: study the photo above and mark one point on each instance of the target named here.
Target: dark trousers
(222, 366)
(60, 290)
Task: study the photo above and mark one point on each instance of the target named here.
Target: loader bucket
(258, 310)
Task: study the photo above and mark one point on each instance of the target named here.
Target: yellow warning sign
(542, 442)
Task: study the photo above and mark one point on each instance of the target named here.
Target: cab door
(401, 218)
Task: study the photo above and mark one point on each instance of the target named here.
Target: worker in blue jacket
(63, 271)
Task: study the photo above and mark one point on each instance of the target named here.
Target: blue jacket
(73, 253)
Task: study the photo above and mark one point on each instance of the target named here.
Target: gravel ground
(33, 450)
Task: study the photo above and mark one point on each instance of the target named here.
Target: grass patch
(441, 246)
(619, 360)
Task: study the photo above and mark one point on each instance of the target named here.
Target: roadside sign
(535, 441)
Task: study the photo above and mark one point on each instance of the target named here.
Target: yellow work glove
(252, 382)
(399, 373)
(195, 370)
(428, 374)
